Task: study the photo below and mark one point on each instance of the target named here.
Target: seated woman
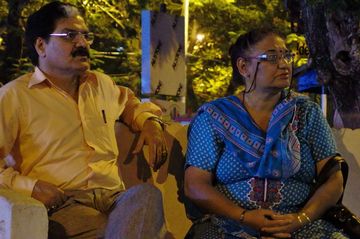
(252, 157)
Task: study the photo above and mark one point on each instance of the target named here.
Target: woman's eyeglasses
(274, 57)
(72, 36)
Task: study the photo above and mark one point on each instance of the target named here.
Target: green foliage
(221, 22)
(116, 49)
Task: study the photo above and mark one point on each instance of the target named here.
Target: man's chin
(84, 66)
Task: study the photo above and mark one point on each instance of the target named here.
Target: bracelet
(306, 217)
(299, 219)
(157, 119)
(242, 215)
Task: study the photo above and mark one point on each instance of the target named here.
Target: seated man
(57, 124)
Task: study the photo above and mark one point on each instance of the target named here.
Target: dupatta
(272, 154)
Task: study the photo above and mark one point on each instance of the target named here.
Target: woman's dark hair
(43, 22)
(240, 49)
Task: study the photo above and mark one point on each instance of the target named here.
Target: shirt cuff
(23, 184)
(142, 117)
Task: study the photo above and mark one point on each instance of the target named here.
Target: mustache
(80, 51)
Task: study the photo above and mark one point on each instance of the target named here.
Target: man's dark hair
(43, 22)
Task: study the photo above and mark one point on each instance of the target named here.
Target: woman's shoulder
(223, 102)
(210, 109)
(304, 100)
(306, 107)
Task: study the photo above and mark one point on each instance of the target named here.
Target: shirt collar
(39, 77)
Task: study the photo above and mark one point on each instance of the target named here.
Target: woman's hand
(263, 218)
(276, 229)
(152, 134)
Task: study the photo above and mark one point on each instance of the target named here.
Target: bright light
(200, 37)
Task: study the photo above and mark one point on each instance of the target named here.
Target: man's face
(65, 55)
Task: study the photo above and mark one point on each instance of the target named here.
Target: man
(57, 126)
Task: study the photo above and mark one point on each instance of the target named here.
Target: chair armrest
(21, 216)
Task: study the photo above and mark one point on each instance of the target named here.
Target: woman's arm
(323, 147)
(326, 195)
(199, 188)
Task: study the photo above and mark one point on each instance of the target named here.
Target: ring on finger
(164, 153)
(52, 207)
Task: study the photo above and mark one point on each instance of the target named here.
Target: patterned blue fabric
(274, 154)
(214, 149)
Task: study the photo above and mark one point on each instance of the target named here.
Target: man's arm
(136, 113)
(9, 131)
(145, 117)
(10, 115)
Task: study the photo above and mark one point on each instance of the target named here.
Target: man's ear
(40, 47)
(242, 67)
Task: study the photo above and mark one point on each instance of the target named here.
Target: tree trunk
(333, 37)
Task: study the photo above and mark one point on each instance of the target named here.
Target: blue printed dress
(257, 169)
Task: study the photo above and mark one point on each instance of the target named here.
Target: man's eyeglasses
(274, 57)
(72, 36)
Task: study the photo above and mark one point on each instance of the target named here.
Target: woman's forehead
(270, 42)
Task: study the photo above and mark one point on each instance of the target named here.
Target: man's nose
(80, 40)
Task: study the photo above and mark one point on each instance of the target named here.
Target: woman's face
(275, 66)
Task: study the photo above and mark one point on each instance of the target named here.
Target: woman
(252, 157)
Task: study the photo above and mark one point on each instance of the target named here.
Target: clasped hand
(272, 225)
(153, 136)
(50, 195)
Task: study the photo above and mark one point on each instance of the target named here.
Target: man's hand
(152, 135)
(47, 193)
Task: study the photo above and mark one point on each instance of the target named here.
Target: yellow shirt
(55, 139)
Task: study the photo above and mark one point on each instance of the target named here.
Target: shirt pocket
(99, 131)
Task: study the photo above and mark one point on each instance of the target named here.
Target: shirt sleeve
(204, 144)
(136, 113)
(9, 130)
(320, 137)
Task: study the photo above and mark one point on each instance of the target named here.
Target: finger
(157, 157)
(139, 144)
(162, 158)
(277, 223)
(164, 155)
(281, 217)
(59, 199)
(152, 154)
(64, 197)
(282, 235)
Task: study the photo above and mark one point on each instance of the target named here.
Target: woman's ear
(242, 67)
(40, 47)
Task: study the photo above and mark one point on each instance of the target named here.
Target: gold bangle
(242, 215)
(299, 219)
(306, 217)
